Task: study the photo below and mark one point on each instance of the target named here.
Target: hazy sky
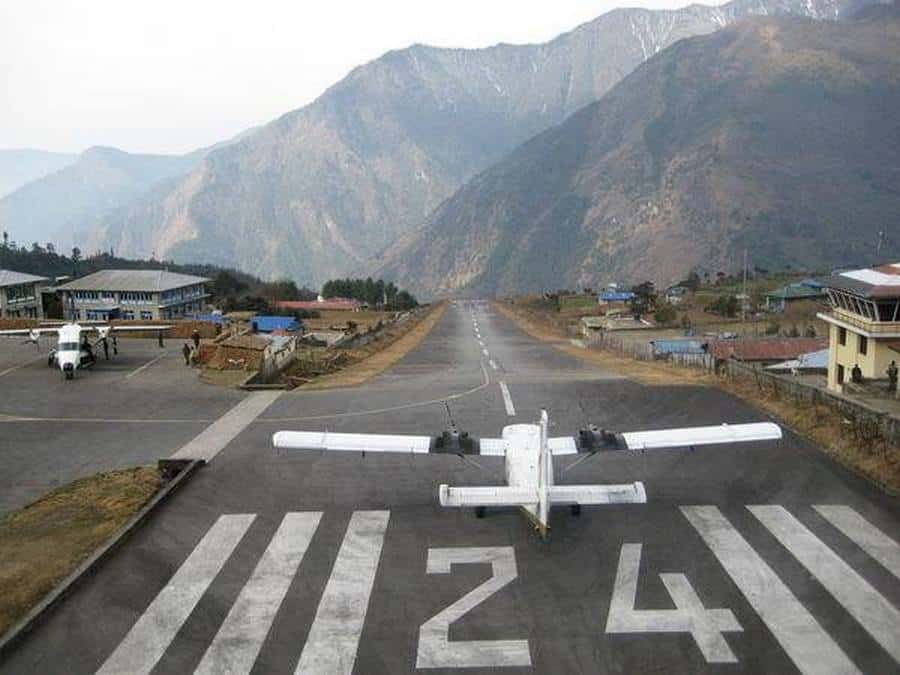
(175, 75)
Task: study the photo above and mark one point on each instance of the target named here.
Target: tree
(726, 305)
(665, 314)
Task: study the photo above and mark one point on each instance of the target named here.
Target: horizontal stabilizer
(688, 436)
(325, 440)
(562, 445)
(487, 496)
(631, 493)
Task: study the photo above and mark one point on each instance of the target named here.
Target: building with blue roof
(270, 324)
(615, 296)
(662, 348)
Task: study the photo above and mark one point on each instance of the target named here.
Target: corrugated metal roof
(677, 346)
(10, 278)
(878, 282)
(332, 304)
(133, 280)
(817, 360)
(796, 292)
(765, 349)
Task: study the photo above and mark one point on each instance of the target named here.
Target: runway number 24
(437, 651)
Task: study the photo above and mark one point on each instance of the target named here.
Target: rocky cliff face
(776, 135)
(318, 192)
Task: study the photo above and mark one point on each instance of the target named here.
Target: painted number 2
(435, 648)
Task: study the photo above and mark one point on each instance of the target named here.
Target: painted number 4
(435, 648)
(689, 616)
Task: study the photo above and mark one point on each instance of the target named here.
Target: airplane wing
(325, 440)
(691, 436)
(31, 333)
(106, 328)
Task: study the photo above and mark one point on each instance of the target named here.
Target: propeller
(33, 337)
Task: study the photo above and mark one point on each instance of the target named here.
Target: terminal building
(144, 295)
(20, 295)
(864, 320)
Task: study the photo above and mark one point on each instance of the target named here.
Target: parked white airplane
(73, 351)
(529, 467)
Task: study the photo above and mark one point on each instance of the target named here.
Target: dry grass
(379, 355)
(877, 461)
(43, 542)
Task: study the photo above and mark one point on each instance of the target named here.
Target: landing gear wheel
(575, 509)
(50, 363)
(70, 374)
(479, 511)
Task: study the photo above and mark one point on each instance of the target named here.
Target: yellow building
(865, 323)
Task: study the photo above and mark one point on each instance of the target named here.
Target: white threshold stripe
(149, 638)
(807, 644)
(241, 636)
(212, 440)
(861, 532)
(141, 369)
(507, 400)
(334, 636)
(873, 612)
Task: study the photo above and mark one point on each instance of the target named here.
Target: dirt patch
(846, 442)
(45, 541)
(352, 367)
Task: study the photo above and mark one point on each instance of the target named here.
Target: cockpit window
(68, 346)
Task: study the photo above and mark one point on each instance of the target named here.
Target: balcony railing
(855, 320)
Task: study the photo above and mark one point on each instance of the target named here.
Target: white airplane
(73, 351)
(528, 454)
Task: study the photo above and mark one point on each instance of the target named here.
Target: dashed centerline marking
(507, 400)
(492, 364)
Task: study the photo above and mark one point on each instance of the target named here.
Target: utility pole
(744, 291)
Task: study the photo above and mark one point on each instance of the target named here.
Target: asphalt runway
(133, 409)
(761, 557)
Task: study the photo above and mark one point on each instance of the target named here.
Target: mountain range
(775, 135)
(21, 166)
(322, 190)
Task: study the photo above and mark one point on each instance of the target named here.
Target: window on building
(128, 314)
(840, 374)
(842, 336)
(146, 316)
(863, 344)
